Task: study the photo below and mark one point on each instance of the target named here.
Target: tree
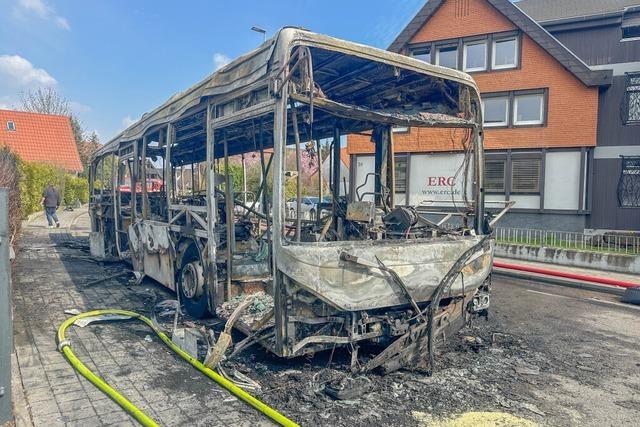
(87, 147)
(45, 101)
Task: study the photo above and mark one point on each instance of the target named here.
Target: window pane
(422, 54)
(634, 106)
(505, 53)
(496, 111)
(475, 56)
(629, 183)
(525, 176)
(528, 109)
(447, 56)
(631, 32)
(401, 173)
(494, 175)
(632, 99)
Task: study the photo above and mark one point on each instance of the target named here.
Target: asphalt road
(593, 339)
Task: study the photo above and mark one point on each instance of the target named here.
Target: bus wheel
(192, 287)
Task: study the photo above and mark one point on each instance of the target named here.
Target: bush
(75, 190)
(10, 179)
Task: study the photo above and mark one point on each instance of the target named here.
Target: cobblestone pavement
(50, 277)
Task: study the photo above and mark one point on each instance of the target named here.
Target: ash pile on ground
(486, 367)
(481, 369)
(260, 305)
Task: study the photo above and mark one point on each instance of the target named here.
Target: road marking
(620, 304)
(548, 294)
(596, 300)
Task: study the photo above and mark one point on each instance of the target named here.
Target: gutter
(615, 16)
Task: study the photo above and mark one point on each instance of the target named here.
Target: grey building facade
(605, 34)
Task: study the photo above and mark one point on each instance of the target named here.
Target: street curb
(75, 218)
(34, 215)
(21, 413)
(614, 290)
(72, 224)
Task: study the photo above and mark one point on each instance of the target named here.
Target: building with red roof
(43, 138)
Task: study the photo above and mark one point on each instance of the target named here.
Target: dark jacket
(51, 197)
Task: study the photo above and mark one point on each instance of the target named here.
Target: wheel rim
(192, 280)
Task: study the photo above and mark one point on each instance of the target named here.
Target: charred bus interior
(208, 198)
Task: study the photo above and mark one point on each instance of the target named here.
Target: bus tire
(192, 285)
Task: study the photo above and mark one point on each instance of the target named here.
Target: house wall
(600, 45)
(605, 211)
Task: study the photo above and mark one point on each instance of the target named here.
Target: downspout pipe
(566, 275)
(478, 150)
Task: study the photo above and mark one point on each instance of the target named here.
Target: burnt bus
(364, 268)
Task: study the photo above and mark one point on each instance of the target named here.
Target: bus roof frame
(259, 67)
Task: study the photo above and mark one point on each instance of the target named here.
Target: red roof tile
(41, 138)
(344, 156)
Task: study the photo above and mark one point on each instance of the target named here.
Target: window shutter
(494, 175)
(525, 175)
(401, 173)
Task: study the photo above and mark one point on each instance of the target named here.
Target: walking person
(51, 203)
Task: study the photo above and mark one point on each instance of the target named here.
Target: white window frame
(517, 122)
(415, 53)
(464, 56)
(506, 113)
(630, 20)
(11, 126)
(438, 48)
(399, 129)
(493, 53)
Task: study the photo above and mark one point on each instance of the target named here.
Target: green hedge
(34, 178)
(75, 190)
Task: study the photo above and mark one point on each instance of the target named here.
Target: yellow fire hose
(65, 347)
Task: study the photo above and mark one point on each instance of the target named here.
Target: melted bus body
(363, 268)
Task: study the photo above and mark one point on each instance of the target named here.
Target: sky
(113, 60)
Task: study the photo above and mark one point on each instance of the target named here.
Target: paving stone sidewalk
(50, 277)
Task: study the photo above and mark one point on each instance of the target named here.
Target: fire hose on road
(64, 346)
(566, 275)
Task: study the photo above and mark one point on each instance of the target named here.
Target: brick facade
(572, 106)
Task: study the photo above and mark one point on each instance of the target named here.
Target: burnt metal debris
(362, 269)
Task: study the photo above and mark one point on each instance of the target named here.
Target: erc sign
(440, 186)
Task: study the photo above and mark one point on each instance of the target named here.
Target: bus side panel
(151, 248)
(159, 267)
